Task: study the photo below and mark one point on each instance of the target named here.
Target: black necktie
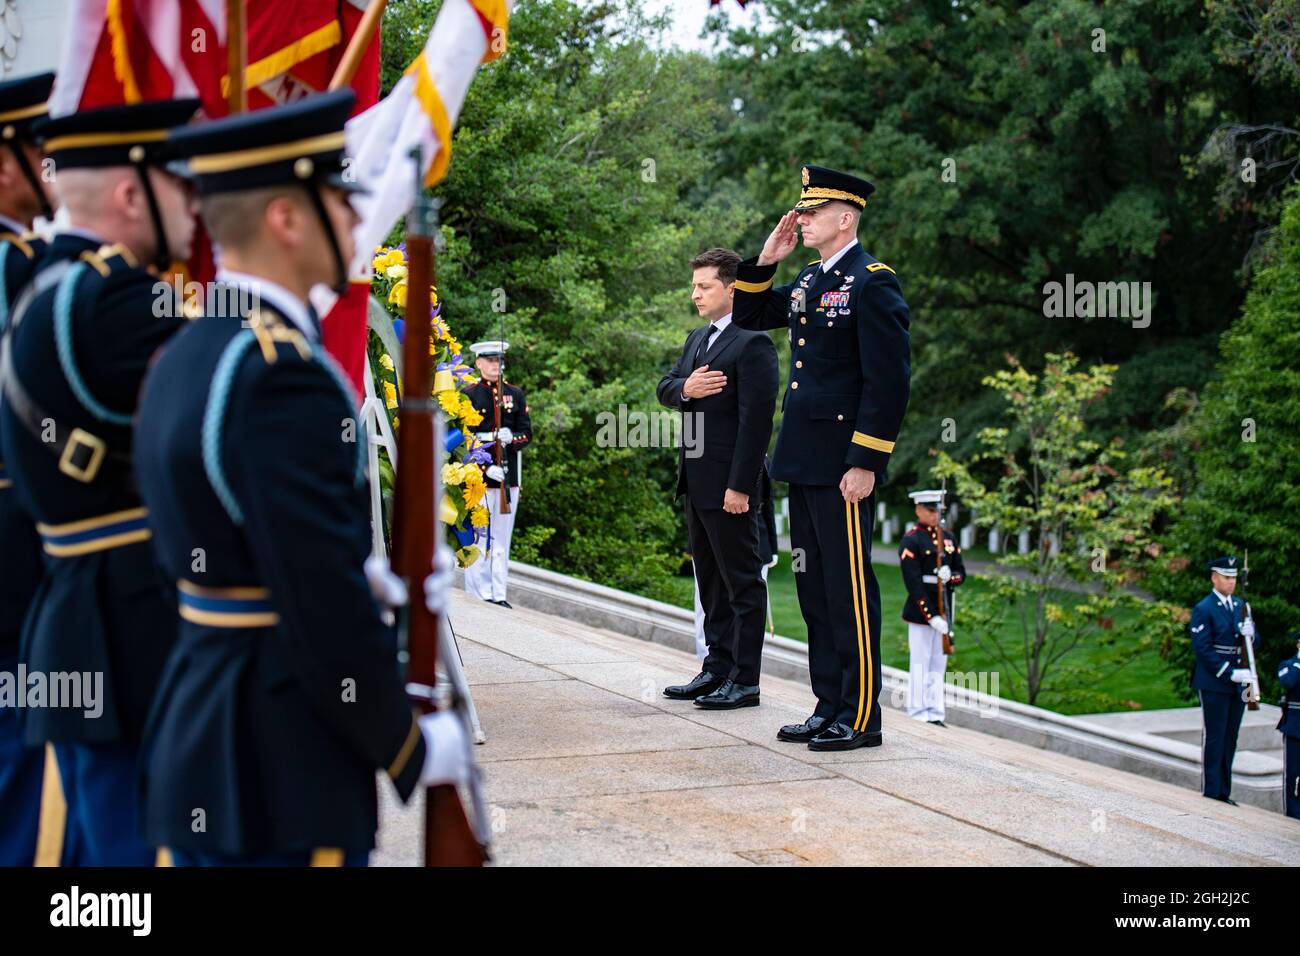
(704, 345)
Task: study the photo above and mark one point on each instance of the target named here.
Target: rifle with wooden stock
(938, 563)
(449, 840)
(1251, 691)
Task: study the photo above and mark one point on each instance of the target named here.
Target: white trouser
(486, 577)
(928, 662)
(701, 645)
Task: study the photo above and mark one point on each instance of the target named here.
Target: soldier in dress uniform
(1289, 675)
(486, 578)
(283, 698)
(1220, 675)
(925, 546)
(23, 197)
(848, 389)
(76, 349)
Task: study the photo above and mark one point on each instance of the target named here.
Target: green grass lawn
(1142, 684)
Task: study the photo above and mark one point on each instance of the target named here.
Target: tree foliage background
(1012, 144)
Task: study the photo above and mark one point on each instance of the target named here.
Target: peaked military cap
(131, 135)
(1227, 566)
(821, 185)
(493, 348)
(930, 498)
(22, 103)
(298, 143)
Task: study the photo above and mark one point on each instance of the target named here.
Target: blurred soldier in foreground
(1289, 675)
(78, 343)
(283, 698)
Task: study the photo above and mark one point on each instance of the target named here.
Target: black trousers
(1291, 776)
(840, 602)
(728, 568)
(1221, 716)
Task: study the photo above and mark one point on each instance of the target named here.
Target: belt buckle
(80, 439)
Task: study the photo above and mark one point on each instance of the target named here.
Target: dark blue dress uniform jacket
(849, 363)
(1214, 638)
(1289, 676)
(916, 560)
(80, 351)
(283, 697)
(514, 416)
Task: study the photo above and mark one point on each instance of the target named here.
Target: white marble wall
(31, 35)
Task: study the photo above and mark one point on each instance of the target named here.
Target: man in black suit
(725, 385)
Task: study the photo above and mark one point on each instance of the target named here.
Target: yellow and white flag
(420, 110)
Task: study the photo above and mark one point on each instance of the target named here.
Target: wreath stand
(374, 423)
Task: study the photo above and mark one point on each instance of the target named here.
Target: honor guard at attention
(1289, 676)
(505, 422)
(77, 345)
(1218, 628)
(283, 698)
(23, 197)
(930, 559)
(848, 389)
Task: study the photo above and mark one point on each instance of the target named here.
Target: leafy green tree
(1087, 509)
(1012, 143)
(1246, 448)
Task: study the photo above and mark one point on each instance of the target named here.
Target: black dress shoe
(729, 696)
(701, 684)
(840, 736)
(802, 733)
(503, 603)
(937, 723)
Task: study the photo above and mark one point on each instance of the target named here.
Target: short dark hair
(724, 260)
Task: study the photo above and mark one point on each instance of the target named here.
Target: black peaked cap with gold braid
(822, 185)
(133, 135)
(298, 143)
(23, 102)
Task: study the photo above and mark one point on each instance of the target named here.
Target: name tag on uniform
(835, 300)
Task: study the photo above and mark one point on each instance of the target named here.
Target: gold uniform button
(798, 364)
(829, 324)
(794, 384)
(801, 341)
(804, 320)
(839, 418)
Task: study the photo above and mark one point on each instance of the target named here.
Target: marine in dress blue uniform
(22, 102)
(283, 698)
(1289, 677)
(1219, 676)
(848, 389)
(75, 351)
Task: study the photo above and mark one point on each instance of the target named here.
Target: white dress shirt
(828, 264)
(718, 326)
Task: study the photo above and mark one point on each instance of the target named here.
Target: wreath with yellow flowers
(462, 474)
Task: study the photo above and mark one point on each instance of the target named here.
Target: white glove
(939, 624)
(1240, 675)
(389, 590)
(1248, 629)
(945, 573)
(438, 583)
(446, 749)
(496, 473)
(506, 435)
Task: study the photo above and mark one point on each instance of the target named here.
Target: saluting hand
(782, 240)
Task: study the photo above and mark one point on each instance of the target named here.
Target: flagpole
(357, 46)
(236, 56)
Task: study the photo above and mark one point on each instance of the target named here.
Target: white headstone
(1022, 542)
(886, 531)
(995, 540)
(968, 537)
(880, 512)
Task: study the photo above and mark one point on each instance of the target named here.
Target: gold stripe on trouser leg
(326, 856)
(858, 609)
(54, 814)
(865, 680)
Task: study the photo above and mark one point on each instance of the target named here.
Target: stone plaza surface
(587, 764)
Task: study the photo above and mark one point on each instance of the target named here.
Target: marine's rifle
(448, 838)
(938, 563)
(1251, 691)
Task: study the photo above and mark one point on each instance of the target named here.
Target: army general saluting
(849, 379)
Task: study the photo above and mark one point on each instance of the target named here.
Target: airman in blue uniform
(283, 698)
(1220, 675)
(23, 196)
(848, 389)
(73, 356)
(1289, 676)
